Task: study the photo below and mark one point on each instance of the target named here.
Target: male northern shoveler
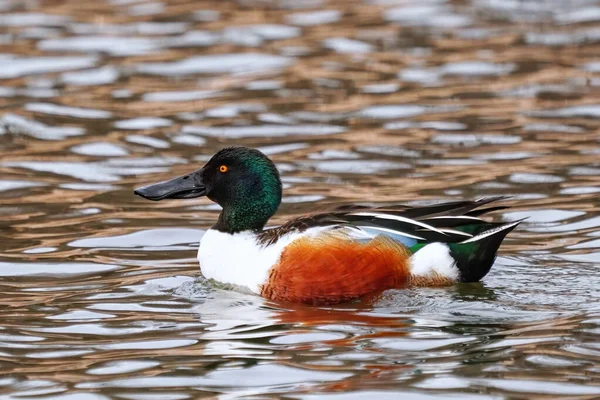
(327, 258)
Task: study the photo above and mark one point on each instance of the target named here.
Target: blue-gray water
(371, 101)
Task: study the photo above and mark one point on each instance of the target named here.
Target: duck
(334, 256)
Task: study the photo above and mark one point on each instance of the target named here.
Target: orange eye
(223, 168)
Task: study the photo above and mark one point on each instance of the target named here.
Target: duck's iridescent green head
(243, 181)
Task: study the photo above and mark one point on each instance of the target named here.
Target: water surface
(372, 102)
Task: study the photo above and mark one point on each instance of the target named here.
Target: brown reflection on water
(375, 101)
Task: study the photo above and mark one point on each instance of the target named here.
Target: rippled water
(368, 101)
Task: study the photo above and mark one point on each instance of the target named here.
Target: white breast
(238, 259)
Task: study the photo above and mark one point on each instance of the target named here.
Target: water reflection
(14, 67)
(374, 102)
(232, 63)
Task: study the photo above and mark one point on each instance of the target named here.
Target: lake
(371, 102)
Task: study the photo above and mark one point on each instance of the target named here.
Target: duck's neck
(249, 215)
(235, 220)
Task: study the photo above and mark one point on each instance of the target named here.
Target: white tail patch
(434, 259)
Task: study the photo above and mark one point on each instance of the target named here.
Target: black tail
(475, 256)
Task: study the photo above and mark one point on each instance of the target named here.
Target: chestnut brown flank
(332, 269)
